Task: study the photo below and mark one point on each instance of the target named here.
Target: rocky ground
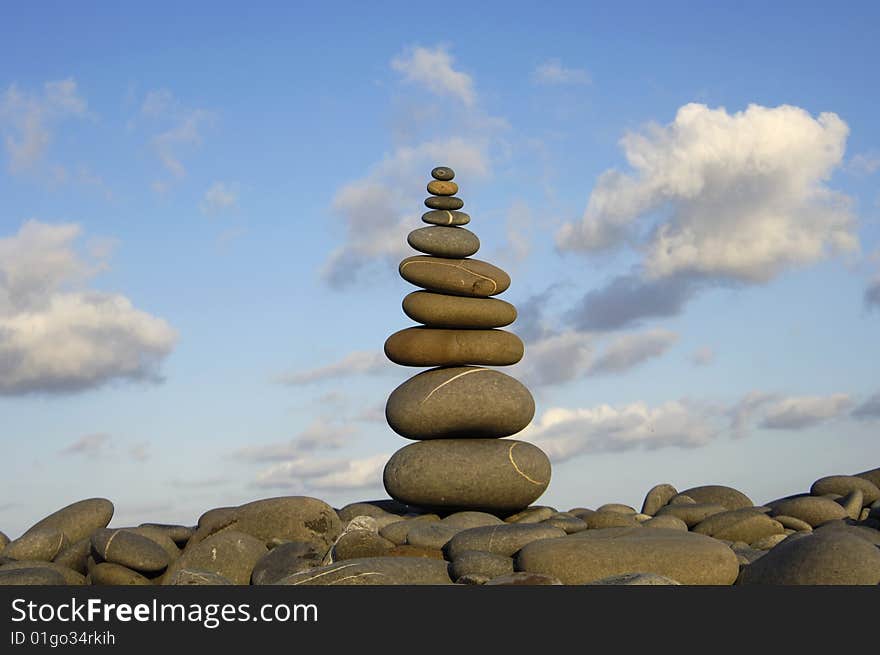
(708, 535)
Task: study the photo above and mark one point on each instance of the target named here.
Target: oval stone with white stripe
(489, 475)
(459, 402)
(460, 277)
(446, 217)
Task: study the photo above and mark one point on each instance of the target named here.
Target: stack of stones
(459, 411)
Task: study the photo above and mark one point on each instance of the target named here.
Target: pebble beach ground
(709, 535)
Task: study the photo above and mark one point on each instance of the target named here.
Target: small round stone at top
(443, 173)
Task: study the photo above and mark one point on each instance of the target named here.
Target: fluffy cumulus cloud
(553, 72)
(433, 68)
(28, 120)
(56, 335)
(800, 412)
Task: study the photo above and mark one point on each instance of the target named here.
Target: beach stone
(681, 499)
(3, 541)
(641, 518)
(461, 277)
(179, 534)
(831, 557)
(467, 519)
(444, 202)
(860, 531)
(78, 520)
(284, 560)
(618, 508)
(473, 579)
(214, 519)
(442, 188)
(375, 508)
(229, 553)
(440, 310)
(110, 574)
(129, 549)
(38, 543)
(657, 497)
(446, 217)
(160, 537)
(745, 524)
(424, 346)
(396, 532)
(190, 577)
(692, 559)
(768, 542)
(691, 514)
(523, 578)
(668, 522)
(443, 241)
(746, 554)
(715, 494)
(375, 571)
(31, 576)
(443, 173)
(580, 512)
(458, 402)
(846, 484)
(479, 562)
(503, 540)
(71, 577)
(814, 510)
(432, 535)
(291, 518)
(360, 543)
(790, 522)
(408, 550)
(491, 475)
(852, 504)
(872, 476)
(570, 524)
(75, 555)
(599, 520)
(534, 514)
(635, 579)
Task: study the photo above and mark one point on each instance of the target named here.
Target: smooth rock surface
(691, 559)
(78, 520)
(443, 241)
(375, 508)
(192, 577)
(432, 535)
(354, 544)
(229, 553)
(179, 534)
(424, 346)
(691, 514)
(657, 497)
(479, 562)
(716, 494)
(462, 277)
(467, 519)
(75, 555)
(38, 543)
(635, 579)
(534, 514)
(444, 202)
(397, 532)
(491, 475)
(446, 217)
(31, 576)
(443, 173)
(503, 540)
(845, 484)
(71, 577)
(284, 560)
(599, 520)
(130, 550)
(745, 524)
(375, 571)
(110, 574)
(523, 578)
(444, 311)
(442, 188)
(459, 402)
(814, 510)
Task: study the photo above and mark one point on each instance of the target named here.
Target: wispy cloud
(325, 474)
(433, 68)
(320, 434)
(553, 72)
(219, 197)
(89, 445)
(629, 350)
(868, 409)
(703, 356)
(800, 412)
(864, 163)
(356, 363)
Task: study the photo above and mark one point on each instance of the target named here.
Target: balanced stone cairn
(459, 411)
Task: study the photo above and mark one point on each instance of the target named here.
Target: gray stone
(446, 217)
(284, 560)
(71, 577)
(845, 484)
(681, 499)
(440, 310)
(432, 535)
(768, 542)
(479, 562)
(601, 519)
(460, 277)
(443, 241)
(814, 510)
(492, 475)
(691, 514)
(746, 554)
(38, 543)
(160, 536)
(375, 508)
(657, 497)
(424, 346)
(459, 402)
(473, 579)
(190, 577)
(872, 476)
(715, 494)
(570, 524)
(408, 550)
(375, 571)
(31, 576)
(581, 512)
(396, 532)
(129, 549)
(442, 188)
(747, 524)
(3, 541)
(179, 534)
(110, 574)
(667, 522)
(832, 557)
(468, 519)
(692, 559)
(354, 544)
(635, 579)
(78, 520)
(790, 522)
(444, 202)
(861, 531)
(852, 504)
(75, 555)
(443, 173)
(229, 553)
(534, 514)
(523, 578)
(504, 539)
(618, 508)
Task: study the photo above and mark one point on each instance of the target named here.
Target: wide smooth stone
(441, 310)
(441, 241)
(459, 402)
(491, 475)
(446, 217)
(461, 277)
(423, 346)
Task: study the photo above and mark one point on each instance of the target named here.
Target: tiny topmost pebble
(443, 173)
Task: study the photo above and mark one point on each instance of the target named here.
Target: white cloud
(743, 413)
(555, 359)
(28, 120)
(356, 363)
(303, 474)
(745, 194)
(864, 163)
(318, 435)
(869, 409)
(703, 356)
(434, 70)
(89, 445)
(553, 72)
(629, 350)
(182, 130)
(56, 335)
(218, 197)
(799, 412)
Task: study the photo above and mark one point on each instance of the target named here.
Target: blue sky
(202, 210)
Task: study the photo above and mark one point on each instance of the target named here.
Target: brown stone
(375, 571)
(657, 497)
(846, 484)
(78, 520)
(814, 510)
(444, 202)
(443, 173)
(424, 346)
(441, 310)
(442, 188)
(442, 241)
(446, 217)
(716, 494)
(462, 277)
